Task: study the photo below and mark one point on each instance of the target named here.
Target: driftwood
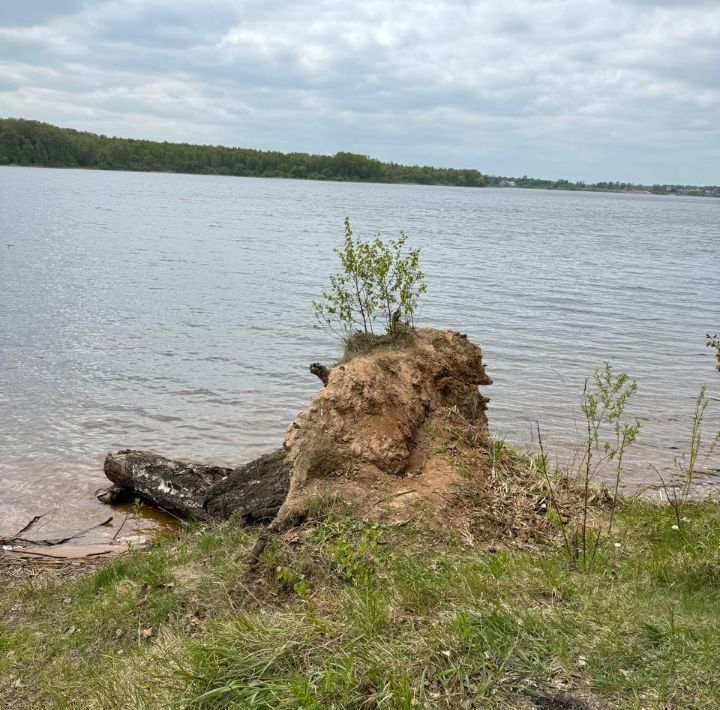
(254, 491)
(49, 542)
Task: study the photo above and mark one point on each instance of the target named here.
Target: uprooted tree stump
(361, 434)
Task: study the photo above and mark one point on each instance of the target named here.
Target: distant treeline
(25, 142)
(33, 143)
(606, 186)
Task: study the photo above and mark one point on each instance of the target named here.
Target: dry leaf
(147, 633)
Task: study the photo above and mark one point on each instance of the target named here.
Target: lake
(173, 313)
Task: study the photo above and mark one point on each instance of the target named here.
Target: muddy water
(172, 312)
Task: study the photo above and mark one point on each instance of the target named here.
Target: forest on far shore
(33, 143)
(25, 142)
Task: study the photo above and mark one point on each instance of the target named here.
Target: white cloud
(590, 90)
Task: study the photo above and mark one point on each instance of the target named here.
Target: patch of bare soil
(16, 570)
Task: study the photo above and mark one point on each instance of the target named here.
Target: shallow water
(173, 313)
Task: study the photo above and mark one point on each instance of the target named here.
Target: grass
(346, 615)
(360, 343)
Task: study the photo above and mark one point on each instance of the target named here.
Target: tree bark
(255, 491)
(321, 372)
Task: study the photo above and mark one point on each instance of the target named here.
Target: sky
(582, 89)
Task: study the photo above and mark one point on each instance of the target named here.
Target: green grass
(356, 616)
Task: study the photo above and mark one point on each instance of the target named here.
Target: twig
(119, 530)
(16, 536)
(35, 553)
(172, 515)
(402, 523)
(60, 541)
(676, 505)
(30, 524)
(396, 495)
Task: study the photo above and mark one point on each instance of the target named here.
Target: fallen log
(254, 491)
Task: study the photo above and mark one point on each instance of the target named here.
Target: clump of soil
(401, 434)
(362, 432)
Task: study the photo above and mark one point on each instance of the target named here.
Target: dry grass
(360, 343)
(497, 494)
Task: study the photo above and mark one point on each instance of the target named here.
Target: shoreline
(415, 560)
(169, 619)
(644, 192)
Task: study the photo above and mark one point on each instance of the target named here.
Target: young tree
(379, 281)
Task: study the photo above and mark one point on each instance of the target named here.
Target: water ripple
(181, 320)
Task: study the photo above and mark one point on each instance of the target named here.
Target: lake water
(173, 313)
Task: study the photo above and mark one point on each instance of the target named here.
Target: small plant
(497, 451)
(714, 342)
(554, 515)
(356, 561)
(687, 465)
(428, 428)
(292, 581)
(137, 506)
(604, 411)
(379, 282)
(135, 511)
(608, 435)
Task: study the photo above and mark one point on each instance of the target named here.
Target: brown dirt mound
(361, 438)
(462, 483)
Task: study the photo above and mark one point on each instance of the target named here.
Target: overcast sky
(583, 89)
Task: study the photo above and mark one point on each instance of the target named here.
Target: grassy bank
(348, 615)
